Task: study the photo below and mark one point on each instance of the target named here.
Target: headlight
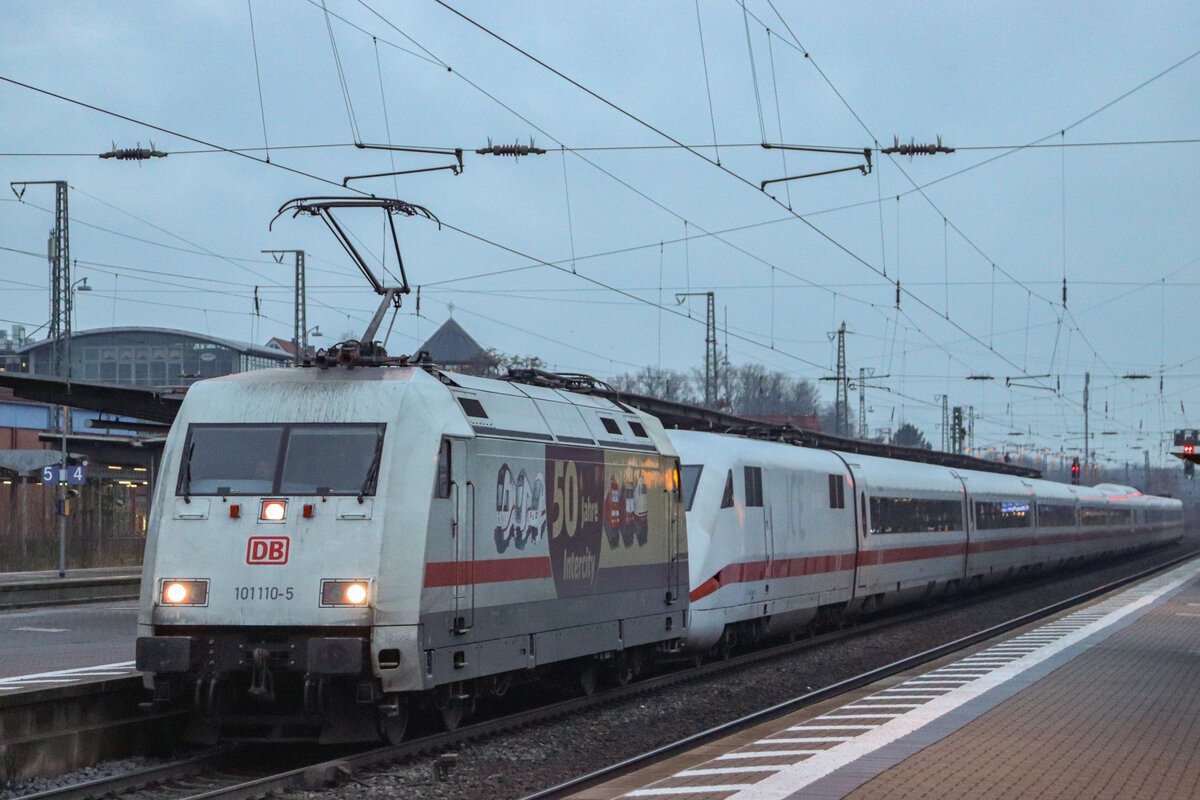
(184, 592)
(273, 510)
(345, 593)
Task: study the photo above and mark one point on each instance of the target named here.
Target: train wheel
(626, 666)
(453, 706)
(393, 718)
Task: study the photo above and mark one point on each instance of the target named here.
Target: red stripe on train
(747, 571)
(497, 570)
(895, 555)
(992, 545)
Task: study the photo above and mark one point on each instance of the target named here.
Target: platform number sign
(75, 476)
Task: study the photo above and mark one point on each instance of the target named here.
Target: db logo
(267, 550)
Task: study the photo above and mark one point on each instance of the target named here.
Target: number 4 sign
(75, 476)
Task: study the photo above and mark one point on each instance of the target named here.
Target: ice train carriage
(780, 535)
(358, 538)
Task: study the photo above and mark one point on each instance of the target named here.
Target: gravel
(518, 763)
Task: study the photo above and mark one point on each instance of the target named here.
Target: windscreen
(280, 459)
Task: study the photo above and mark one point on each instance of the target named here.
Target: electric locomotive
(329, 547)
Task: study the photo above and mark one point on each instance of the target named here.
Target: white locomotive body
(360, 538)
(781, 537)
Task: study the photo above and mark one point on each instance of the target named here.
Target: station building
(107, 513)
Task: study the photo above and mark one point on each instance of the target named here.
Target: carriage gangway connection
(1098, 702)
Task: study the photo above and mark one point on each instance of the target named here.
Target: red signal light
(1188, 448)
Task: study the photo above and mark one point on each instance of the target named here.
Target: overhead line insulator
(138, 153)
(516, 149)
(913, 149)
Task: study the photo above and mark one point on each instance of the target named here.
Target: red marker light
(308, 510)
(235, 511)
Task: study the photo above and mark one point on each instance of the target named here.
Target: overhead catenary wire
(676, 142)
(258, 77)
(171, 132)
(914, 284)
(712, 117)
(337, 60)
(705, 158)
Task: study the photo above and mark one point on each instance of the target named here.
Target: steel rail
(131, 781)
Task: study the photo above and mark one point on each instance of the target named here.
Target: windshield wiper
(368, 484)
(187, 473)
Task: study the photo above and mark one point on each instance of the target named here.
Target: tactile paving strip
(848, 739)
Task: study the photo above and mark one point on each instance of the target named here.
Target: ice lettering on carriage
(576, 494)
(520, 508)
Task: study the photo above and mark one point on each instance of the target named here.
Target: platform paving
(1103, 702)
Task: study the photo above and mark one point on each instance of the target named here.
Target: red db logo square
(267, 550)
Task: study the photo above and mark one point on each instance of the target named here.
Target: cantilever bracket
(864, 168)
(437, 151)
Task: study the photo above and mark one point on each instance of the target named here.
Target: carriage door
(862, 526)
(967, 525)
(677, 580)
(758, 516)
(462, 532)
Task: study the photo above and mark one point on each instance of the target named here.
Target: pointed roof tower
(452, 346)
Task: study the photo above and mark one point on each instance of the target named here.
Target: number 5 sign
(74, 476)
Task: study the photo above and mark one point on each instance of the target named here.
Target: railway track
(245, 772)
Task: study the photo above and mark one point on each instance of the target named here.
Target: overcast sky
(980, 256)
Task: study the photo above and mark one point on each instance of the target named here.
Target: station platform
(31, 589)
(1101, 702)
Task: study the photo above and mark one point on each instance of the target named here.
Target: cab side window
(754, 489)
(441, 484)
(727, 499)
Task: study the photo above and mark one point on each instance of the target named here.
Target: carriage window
(754, 492)
(638, 429)
(991, 515)
(280, 459)
(727, 498)
(914, 515)
(837, 491)
(611, 426)
(690, 474)
(1055, 516)
(441, 486)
